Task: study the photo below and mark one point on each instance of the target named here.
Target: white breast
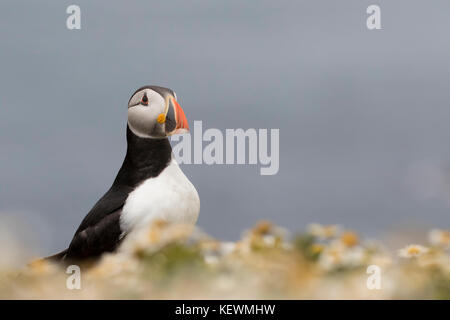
(170, 197)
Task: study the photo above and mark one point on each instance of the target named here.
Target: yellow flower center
(413, 250)
(349, 238)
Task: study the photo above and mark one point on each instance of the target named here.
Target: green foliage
(172, 258)
(304, 243)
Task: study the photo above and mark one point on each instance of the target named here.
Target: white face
(143, 110)
(153, 112)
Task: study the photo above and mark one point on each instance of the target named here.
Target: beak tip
(182, 125)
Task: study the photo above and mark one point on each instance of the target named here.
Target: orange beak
(182, 125)
(174, 118)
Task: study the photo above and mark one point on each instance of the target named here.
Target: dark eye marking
(144, 100)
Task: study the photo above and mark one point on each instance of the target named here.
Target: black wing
(100, 230)
(112, 201)
(97, 239)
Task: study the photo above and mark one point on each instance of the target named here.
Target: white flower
(227, 248)
(323, 231)
(329, 260)
(413, 250)
(269, 240)
(338, 255)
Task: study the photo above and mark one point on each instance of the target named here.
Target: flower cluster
(181, 262)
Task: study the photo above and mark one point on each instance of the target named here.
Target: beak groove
(176, 122)
(181, 120)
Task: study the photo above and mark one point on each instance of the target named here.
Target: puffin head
(153, 112)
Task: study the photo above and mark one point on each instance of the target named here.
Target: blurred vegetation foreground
(176, 262)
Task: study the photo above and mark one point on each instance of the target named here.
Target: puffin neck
(145, 158)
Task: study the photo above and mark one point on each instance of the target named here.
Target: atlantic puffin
(149, 186)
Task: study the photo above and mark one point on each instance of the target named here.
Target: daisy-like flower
(266, 228)
(331, 255)
(439, 238)
(338, 254)
(323, 231)
(330, 258)
(413, 250)
(263, 235)
(349, 239)
(157, 235)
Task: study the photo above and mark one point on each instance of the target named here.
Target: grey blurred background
(363, 115)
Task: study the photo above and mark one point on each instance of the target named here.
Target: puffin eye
(144, 100)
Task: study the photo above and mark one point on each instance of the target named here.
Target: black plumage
(100, 230)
